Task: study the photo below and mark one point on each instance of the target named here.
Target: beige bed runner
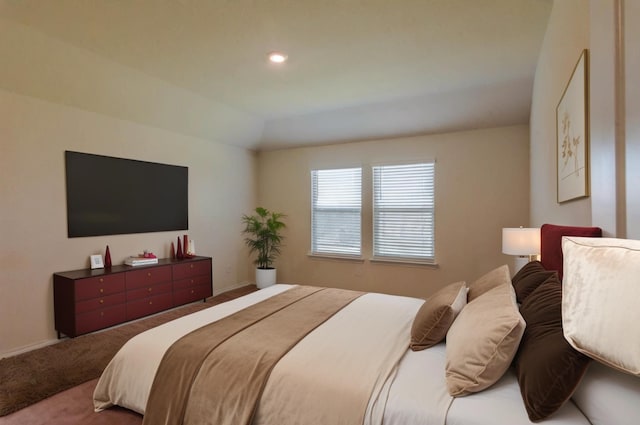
(216, 374)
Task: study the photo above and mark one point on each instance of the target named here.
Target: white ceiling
(357, 69)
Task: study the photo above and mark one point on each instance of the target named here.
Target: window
(336, 211)
(403, 212)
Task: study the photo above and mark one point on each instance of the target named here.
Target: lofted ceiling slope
(357, 69)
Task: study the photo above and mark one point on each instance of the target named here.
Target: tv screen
(111, 196)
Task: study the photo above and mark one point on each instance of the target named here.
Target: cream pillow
(496, 277)
(600, 314)
(436, 315)
(482, 341)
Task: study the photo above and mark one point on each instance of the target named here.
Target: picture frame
(96, 262)
(572, 135)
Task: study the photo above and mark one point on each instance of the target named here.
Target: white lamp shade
(521, 241)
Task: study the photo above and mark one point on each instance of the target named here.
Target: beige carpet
(30, 377)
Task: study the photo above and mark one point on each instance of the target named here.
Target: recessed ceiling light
(277, 57)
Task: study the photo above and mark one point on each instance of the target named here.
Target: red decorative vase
(107, 258)
(173, 251)
(179, 250)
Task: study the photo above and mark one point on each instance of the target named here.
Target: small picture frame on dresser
(96, 262)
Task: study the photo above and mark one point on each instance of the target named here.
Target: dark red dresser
(88, 300)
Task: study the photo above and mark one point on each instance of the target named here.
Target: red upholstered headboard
(551, 243)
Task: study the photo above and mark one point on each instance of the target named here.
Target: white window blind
(403, 212)
(336, 211)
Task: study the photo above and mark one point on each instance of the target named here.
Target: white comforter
(357, 350)
(411, 391)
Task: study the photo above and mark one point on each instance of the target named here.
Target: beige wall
(33, 241)
(631, 72)
(482, 180)
(606, 137)
(609, 29)
(566, 36)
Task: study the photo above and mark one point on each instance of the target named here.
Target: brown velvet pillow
(496, 277)
(482, 341)
(436, 315)
(528, 278)
(548, 368)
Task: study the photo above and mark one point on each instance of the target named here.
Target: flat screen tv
(111, 196)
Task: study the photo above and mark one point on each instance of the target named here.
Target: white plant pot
(265, 277)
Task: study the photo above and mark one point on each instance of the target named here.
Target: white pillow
(601, 292)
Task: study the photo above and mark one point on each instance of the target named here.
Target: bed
(463, 357)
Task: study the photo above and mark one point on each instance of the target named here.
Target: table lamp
(522, 242)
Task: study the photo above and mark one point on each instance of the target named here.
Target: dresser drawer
(191, 268)
(95, 287)
(192, 281)
(150, 305)
(148, 276)
(100, 303)
(149, 291)
(189, 295)
(99, 319)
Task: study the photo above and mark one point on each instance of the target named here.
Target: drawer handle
(101, 301)
(193, 292)
(101, 290)
(191, 280)
(191, 265)
(149, 274)
(150, 289)
(101, 280)
(101, 313)
(150, 302)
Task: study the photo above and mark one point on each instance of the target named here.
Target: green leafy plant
(263, 229)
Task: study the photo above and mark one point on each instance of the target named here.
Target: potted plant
(263, 237)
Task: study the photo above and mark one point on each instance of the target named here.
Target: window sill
(355, 258)
(405, 261)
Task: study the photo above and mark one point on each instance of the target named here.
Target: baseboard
(29, 347)
(231, 288)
